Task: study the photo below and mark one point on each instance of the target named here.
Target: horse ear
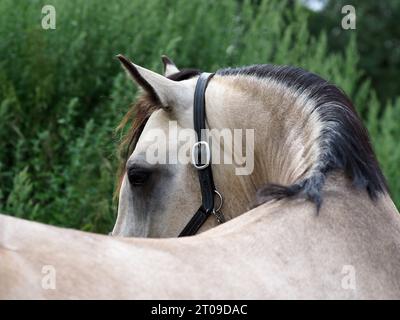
(169, 66)
(163, 90)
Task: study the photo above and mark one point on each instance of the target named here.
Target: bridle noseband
(201, 151)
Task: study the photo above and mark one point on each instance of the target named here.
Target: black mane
(344, 138)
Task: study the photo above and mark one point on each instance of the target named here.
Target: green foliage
(378, 38)
(19, 200)
(62, 92)
(385, 134)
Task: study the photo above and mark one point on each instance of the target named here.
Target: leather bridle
(201, 151)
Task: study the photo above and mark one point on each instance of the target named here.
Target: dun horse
(322, 225)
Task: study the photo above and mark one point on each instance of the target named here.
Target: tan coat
(279, 250)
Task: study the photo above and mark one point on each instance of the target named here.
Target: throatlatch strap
(205, 175)
(195, 223)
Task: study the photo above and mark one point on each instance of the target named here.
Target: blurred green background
(62, 92)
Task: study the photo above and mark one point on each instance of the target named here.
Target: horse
(305, 129)
(312, 218)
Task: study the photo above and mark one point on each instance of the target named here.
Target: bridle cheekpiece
(201, 151)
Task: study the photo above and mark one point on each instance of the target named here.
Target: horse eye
(138, 177)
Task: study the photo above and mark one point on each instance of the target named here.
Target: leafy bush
(62, 92)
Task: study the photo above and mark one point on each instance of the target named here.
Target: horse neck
(285, 147)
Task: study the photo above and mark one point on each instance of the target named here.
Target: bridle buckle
(217, 211)
(219, 216)
(195, 155)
